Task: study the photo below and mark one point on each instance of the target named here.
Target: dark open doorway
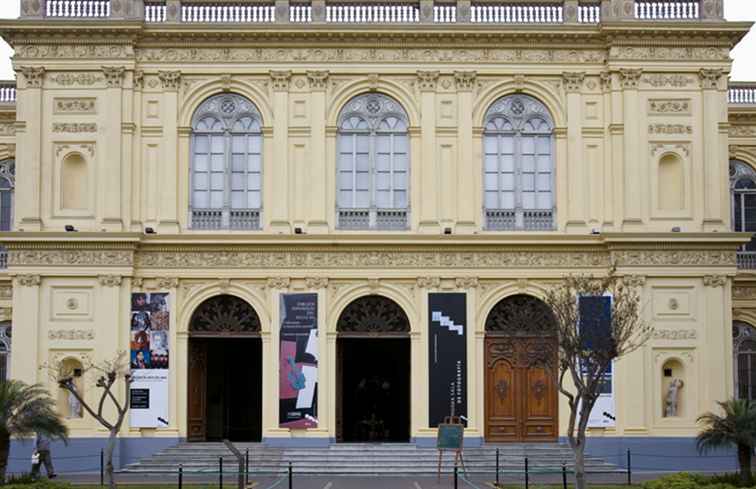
(375, 389)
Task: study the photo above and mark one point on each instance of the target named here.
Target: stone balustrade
(742, 93)
(7, 92)
(379, 11)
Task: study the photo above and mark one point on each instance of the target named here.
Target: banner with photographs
(298, 381)
(150, 359)
(447, 358)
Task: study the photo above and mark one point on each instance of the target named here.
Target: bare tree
(589, 340)
(108, 374)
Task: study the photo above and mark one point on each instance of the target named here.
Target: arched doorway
(744, 351)
(225, 371)
(521, 371)
(373, 372)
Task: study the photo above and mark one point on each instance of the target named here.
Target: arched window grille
(743, 191)
(744, 350)
(373, 164)
(518, 165)
(7, 187)
(226, 173)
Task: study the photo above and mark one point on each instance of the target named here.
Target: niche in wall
(74, 182)
(673, 389)
(671, 178)
(68, 405)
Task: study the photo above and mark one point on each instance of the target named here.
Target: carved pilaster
(573, 82)
(138, 80)
(318, 80)
(114, 76)
(630, 77)
(33, 75)
(465, 80)
(709, 78)
(279, 80)
(171, 80)
(606, 80)
(427, 80)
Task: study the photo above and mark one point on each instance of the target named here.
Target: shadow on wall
(82, 455)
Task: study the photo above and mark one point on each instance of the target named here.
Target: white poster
(149, 355)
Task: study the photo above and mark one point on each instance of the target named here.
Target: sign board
(450, 436)
(447, 356)
(298, 362)
(140, 399)
(595, 325)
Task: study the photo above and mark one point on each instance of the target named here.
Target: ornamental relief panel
(74, 127)
(659, 80)
(669, 53)
(75, 106)
(78, 51)
(106, 258)
(82, 79)
(669, 107)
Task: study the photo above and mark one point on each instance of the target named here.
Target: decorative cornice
(110, 280)
(427, 81)
(171, 80)
(33, 75)
(630, 77)
(280, 80)
(318, 80)
(573, 82)
(465, 80)
(114, 76)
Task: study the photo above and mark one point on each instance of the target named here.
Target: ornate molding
(65, 148)
(278, 283)
(712, 53)
(171, 80)
(429, 282)
(466, 282)
(318, 80)
(28, 280)
(427, 81)
(74, 127)
(606, 80)
(573, 81)
(110, 280)
(710, 78)
(67, 105)
(630, 77)
(33, 75)
(651, 258)
(113, 76)
(167, 283)
(71, 334)
(669, 106)
(315, 283)
(67, 79)
(675, 334)
(743, 293)
(742, 131)
(6, 292)
(715, 280)
(465, 80)
(659, 80)
(60, 51)
(634, 280)
(280, 80)
(670, 129)
(97, 257)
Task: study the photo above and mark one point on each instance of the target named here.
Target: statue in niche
(672, 402)
(74, 407)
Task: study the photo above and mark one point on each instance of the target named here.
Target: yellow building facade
(194, 164)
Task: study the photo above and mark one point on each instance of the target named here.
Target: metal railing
(747, 260)
(216, 219)
(742, 93)
(516, 14)
(379, 219)
(3, 258)
(519, 220)
(667, 10)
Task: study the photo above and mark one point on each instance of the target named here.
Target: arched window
(518, 165)
(744, 350)
(7, 186)
(226, 173)
(743, 190)
(373, 164)
(5, 350)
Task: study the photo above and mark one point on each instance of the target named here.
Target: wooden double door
(521, 389)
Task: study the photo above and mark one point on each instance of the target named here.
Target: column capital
(279, 80)
(171, 80)
(33, 75)
(113, 76)
(427, 80)
(709, 78)
(630, 77)
(573, 81)
(465, 80)
(318, 80)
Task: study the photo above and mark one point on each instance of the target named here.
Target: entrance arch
(224, 371)
(521, 355)
(373, 372)
(744, 353)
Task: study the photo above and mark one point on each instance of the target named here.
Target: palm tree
(25, 410)
(736, 427)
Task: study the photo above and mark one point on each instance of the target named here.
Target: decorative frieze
(466, 282)
(113, 76)
(427, 80)
(659, 80)
(743, 293)
(74, 127)
(70, 79)
(167, 283)
(634, 280)
(74, 51)
(6, 293)
(429, 282)
(278, 283)
(710, 78)
(316, 282)
(715, 280)
(318, 80)
(573, 82)
(742, 131)
(28, 280)
(280, 80)
(630, 77)
(71, 334)
(669, 106)
(465, 80)
(675, 334)
(670, 129)
(652, 258)
(106, 258)
(642, 53)
(75, 105)
(171, 80)
(33, 75)
(7, 128)
(110, 280)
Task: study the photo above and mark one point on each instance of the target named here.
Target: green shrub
(684, 480)
(24, 482)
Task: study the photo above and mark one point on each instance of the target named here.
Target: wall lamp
(149, 231)
(70, 229)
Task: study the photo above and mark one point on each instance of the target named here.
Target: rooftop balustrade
(742, 93)
(378, 11)
(7, 92)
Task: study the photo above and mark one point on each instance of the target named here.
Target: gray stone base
(298, 442)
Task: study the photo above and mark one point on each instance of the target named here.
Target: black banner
(447, 356)
(298, 370)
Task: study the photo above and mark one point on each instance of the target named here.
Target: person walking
(42, 449)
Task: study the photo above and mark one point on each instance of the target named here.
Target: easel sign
(451, 437)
